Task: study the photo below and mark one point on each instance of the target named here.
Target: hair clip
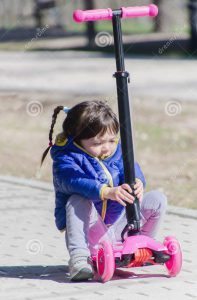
(66, 109)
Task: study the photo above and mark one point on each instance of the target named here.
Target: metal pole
(122, 77)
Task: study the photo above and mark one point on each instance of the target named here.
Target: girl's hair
(54, 117)
(85, 120)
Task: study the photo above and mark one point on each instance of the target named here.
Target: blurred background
(47, 60)
(20, 18)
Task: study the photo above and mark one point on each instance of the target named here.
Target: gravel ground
(164, 143)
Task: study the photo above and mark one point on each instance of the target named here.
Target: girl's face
(100, 146)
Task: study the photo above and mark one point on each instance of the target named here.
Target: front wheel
(105, 261)
(174, 264)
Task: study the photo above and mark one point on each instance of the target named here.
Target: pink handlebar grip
(92, 15)
(139, 11)
(107, 14)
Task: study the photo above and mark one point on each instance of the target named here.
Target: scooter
(135, 250)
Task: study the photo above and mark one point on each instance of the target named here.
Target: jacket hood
(68, 145)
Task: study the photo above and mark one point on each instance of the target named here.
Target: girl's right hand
(119, 193)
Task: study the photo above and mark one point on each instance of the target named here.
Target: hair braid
(54, 117)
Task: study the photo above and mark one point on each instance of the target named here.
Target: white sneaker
(80, 269)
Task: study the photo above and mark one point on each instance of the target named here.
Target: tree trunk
(90, 28)
(193, 25)
(165, 20)
(41, 5)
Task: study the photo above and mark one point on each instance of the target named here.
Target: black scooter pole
(122, 79)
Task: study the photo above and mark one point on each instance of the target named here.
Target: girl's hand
(119, 193)
(139, 189)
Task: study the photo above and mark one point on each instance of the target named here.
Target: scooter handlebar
(107, 14)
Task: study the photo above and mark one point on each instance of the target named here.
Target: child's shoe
(80, 269)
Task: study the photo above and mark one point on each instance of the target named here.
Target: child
(89, 184)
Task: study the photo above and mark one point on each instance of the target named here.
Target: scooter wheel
(105, 261)
(174, 264)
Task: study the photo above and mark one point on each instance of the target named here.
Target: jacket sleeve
(138, 174)
(71, 179)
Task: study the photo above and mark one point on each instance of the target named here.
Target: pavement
(86, 73)
(34, 259)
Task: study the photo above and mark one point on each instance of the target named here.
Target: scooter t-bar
(122, 78)
(107, 14)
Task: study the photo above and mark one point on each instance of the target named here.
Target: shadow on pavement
(57, 273)
(26, 33)
(142, 44)
(60, 273)
(131, 275)
(180, 47)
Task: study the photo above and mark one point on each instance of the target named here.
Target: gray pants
(84, 227)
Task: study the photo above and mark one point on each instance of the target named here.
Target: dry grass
(165, 145)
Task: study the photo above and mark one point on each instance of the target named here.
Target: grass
(164, 145)
(131, 26)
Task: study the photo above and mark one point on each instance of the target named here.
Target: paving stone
(34, 260)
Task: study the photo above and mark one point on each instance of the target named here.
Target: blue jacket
(75, 171)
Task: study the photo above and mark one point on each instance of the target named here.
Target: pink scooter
(135, 250)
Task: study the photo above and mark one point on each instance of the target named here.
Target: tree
(193, 25)
(165, 20)
(41, 5)
(90, 28)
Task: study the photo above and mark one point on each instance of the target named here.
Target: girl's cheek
(96, 150)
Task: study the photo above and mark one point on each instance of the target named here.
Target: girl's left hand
(139, 189)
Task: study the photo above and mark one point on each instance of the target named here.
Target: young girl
(89, 184)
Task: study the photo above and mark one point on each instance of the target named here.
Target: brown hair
(85, 120)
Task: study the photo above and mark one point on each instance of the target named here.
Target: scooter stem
(122, 79)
